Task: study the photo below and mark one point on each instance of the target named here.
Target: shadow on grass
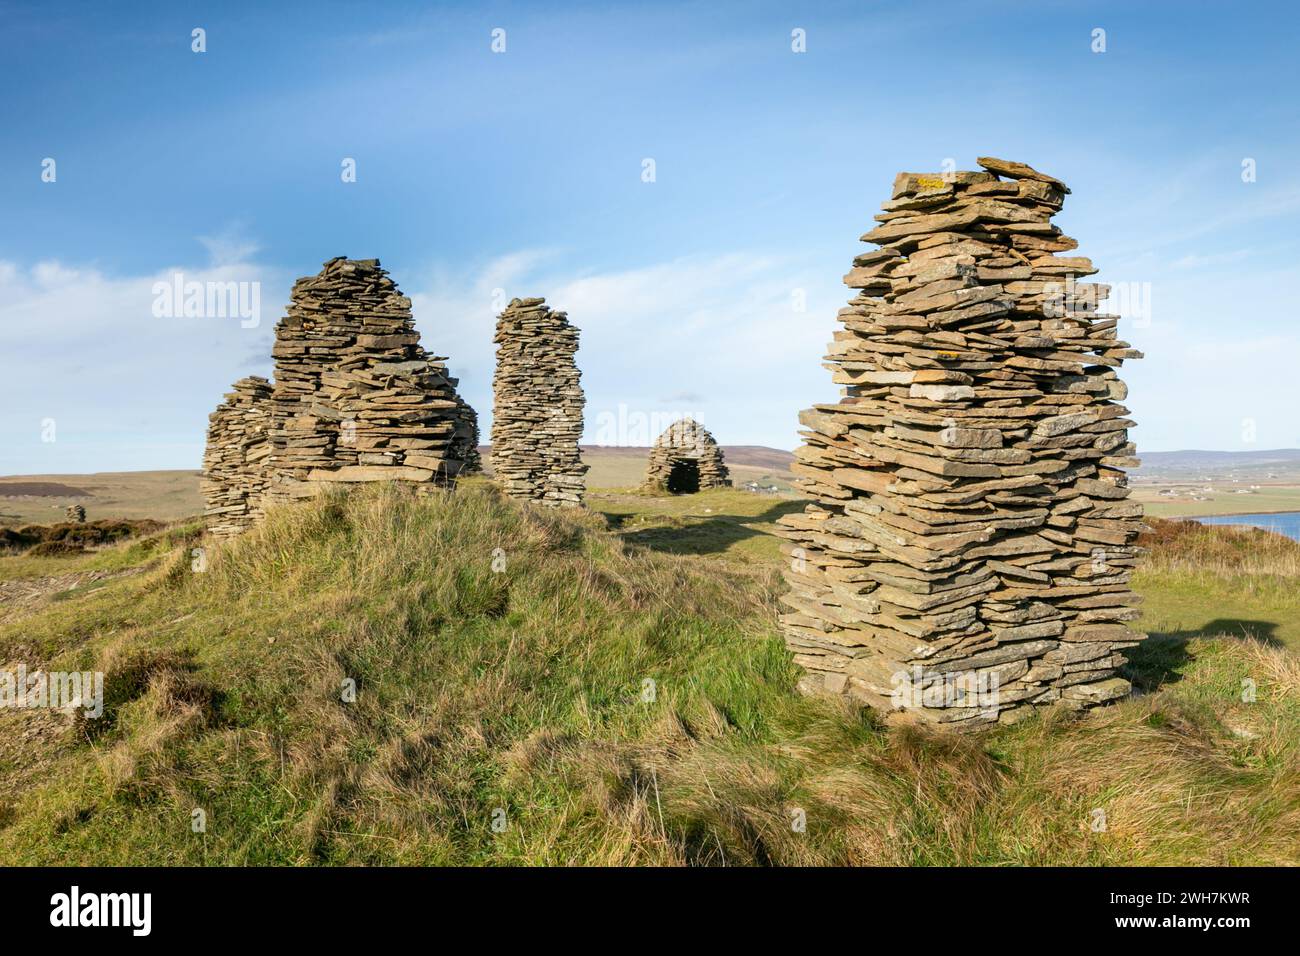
(1159, 659)
(1242, 629)
(700, 534)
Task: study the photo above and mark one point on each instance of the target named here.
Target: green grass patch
(721, 522)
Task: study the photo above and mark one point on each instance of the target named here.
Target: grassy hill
(614, 692)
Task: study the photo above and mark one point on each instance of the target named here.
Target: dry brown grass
(1219, 550)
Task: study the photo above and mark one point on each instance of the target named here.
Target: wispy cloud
(231, 247)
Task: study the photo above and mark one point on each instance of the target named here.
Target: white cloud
(127, 390)
(719, 335)
(230, 248)
(1195, 260)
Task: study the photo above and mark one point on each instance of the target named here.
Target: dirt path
(24, 595)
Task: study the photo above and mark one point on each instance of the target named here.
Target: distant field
(1218, 482)
(42, 499)
(1220, 501)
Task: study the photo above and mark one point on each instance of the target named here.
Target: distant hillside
(758, 456)
(41, 499)
(1282, 463)
(12, 488)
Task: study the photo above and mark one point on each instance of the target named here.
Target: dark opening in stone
(684, 479)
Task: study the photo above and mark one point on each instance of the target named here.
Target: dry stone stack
(685, 458)
(355, 398)
(464, 445)
(968, 549)
(235, 475)
(76, 514)
(537, 410)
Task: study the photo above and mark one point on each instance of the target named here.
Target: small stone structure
(968, 551)
(464, 445)
(355, 398)
(537, 406)
(685, 458)
(76, 514)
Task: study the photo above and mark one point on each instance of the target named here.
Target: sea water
(1286, 522)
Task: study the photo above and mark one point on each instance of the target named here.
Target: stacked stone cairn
(685, 458)
(76, 514)
(967, 553)
(537, 410)
(235, 476)
(355, 399)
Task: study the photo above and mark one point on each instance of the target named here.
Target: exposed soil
(24, 594)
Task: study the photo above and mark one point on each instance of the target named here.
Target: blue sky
(522, 171)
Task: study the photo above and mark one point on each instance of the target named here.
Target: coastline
(1231, 514)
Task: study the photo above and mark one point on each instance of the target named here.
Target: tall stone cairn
(355, 398)
(967, 553)
(686, 440)
(234, 464)
(537, 410)
(75, 514)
